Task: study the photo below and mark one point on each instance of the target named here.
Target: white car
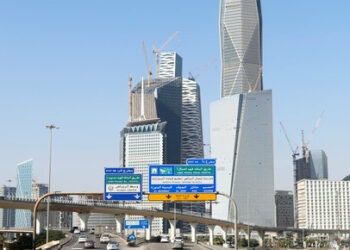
(76, 231)
(179, 239)
(113, 246)
(82, 239)
(104, 238)
(164, 239)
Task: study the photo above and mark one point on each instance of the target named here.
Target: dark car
(72, 229)
(89, 244)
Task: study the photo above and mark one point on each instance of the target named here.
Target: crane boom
(285, 134)
(149, 72)
(156, 51)
(315, 127)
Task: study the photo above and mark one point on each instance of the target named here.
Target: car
(97, 236)
(113, 245)
(177, 245)
(92, 231)
(82, 239)
(179, 238)
(89, 244)
(72, 229)
(164, 239)
(77, 231)
(104, 238)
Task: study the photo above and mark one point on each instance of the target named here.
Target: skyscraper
(24, 190)
(170, 65)
(7, 216)
(192, 134)
(145, 144)
(241, 137)
(284, 208)
(241, 130)
(241, 46)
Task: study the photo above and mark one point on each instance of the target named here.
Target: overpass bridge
(84, 208)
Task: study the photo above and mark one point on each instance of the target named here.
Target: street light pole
(51, 127)
(235, 216)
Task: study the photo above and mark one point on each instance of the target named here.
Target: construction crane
(294, 155)
(156, 51)
(305, 145)
(193, 78)
(251, 88)
(149, 72)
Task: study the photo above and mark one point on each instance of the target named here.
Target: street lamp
(51, 127)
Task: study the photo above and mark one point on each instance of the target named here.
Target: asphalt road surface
(123, 245)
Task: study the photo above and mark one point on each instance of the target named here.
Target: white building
(144, 145)
(241, 135)
(323, 204)
(170, 65)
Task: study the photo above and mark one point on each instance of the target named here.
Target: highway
(123, 245)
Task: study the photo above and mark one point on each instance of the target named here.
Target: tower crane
(149, 72)
(193, 78)
(294, 155)
(156, 51)
(305, 145)
(251, 88)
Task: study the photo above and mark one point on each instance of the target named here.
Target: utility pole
(51, 127)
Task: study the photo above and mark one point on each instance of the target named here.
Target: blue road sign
(121, 186)
(132, 237)
(201, 161)
(182, 179)
(119, 170)
(136, 224)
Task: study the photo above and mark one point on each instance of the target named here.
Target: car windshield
(105, 235)
(83, 236)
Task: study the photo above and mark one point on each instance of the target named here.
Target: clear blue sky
(67, 62)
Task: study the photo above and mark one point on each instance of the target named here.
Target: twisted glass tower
(241, 46)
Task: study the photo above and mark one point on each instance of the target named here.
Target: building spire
(130, 101)
(142, 116)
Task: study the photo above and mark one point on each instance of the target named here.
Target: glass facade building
(7, 216)
(241, 46)
(241, 136)
(24, 191)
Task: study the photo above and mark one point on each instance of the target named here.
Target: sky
(67, 63)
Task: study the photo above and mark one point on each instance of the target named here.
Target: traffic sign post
(182, 197)
(201, 161)
(120, 185)
(136, 224)
(197, 180)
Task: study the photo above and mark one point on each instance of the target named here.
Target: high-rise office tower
(241, 122)
(241, 46)
(315, 167)
(242, 142)
(284, 208)
(24, 190)
(143, 145)
(192, 134)
(170, 65)
(7, 216)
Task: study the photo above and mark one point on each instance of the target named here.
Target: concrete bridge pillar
(149, 229)
(40, 222)
(83, 217)
(224, 236)
(211, 234)
(193, 232)
(172, 230)
(261, 238)
(119, 220)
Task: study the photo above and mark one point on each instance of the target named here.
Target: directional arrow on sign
(196, 196)
(109, 196)
(168, 196)
(137, 196)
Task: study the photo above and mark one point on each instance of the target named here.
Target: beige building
(323, 204)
